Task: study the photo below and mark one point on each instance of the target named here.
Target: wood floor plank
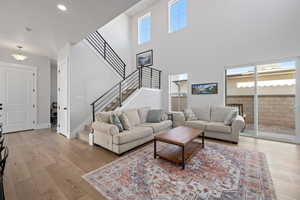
(66, 182)
(9, 188)
(44, 165)
(15, 162)
(27, 190)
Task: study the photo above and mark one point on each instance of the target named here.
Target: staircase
(113, 98)
(142, 77)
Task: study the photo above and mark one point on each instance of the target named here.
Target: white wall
(43, 83)
(90, 77)
(145, 97)
(220, 34)
(118, 34)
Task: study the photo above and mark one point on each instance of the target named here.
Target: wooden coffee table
(183, 138)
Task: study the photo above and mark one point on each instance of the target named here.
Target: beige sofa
(211, 120)
(107, 135)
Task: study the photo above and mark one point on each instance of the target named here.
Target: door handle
(1, 106)
(65, 108)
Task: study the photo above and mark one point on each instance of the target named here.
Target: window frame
(139, 22)
(170, 3)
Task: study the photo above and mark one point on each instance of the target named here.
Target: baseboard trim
(43, 125)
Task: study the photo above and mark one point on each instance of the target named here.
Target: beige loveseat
(211, 120)
(107, 135)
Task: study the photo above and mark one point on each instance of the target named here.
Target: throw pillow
(164, 116)
(103, 117)
(189, 115)
(133, 116)
(116, 121)
(125, 122)
(154, 116)
(230, 116)
(143, 112)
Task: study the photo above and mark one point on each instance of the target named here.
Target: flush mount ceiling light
(61, 7)
(19, 56)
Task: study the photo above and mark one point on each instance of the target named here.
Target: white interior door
(62, 97)
(17, 96)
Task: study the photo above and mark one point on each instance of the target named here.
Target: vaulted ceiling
(42, 29)
(140, 6)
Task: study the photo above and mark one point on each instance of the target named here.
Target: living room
(158, 99)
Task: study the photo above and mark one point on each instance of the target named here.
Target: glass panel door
(265, 95)
(240, 93)
(276, 99)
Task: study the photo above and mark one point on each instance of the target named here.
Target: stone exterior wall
(274, 110)
(179, 103)
(248, 106)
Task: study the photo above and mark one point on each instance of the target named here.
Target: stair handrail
(107, 44)
(97, 41)
(114, 87)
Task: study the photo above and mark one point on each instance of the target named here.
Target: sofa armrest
(237, 126)
(105, 128)
(178, 118)
(238, 122)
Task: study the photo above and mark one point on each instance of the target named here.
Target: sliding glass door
(276, 99)
(240, 93)
(265, 95)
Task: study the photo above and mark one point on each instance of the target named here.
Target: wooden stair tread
(115, 103)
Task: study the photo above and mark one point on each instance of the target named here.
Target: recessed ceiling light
(61, 7)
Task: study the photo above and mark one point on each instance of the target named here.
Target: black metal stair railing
(107, 52)
(142, 77)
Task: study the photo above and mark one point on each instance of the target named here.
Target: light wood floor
(43, 165)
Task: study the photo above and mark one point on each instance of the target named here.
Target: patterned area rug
(217, 172)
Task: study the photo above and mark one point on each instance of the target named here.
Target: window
(177, 15)
(144, 28)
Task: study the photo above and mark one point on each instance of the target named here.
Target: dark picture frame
(204, 88)
(145, 58)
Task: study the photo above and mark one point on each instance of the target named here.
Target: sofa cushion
(159, 126)
(202, 112)
(133, 116)
(134, 134)
(154, 116)
(219, 113)
(143, 112)
(189, 114)
(103, 117)
(199, 124)
(218, 127)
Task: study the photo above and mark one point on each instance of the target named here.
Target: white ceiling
(52, 28)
